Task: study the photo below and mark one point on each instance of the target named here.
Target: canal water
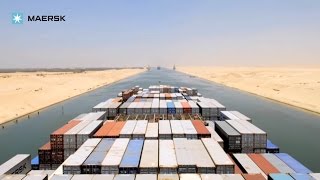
(293, 130)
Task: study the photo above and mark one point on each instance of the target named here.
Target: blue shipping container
(35, 161)
(171, 108)
(293, 163)
(272, 148)
(299, 176)
(280, 176)
(104, 145)
(131, 158)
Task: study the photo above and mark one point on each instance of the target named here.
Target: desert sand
(299, 87)
(23, 93)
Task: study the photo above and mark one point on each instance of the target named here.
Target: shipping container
(103, 177)
(168, 177)
(279, 176)
(36, 177)
(201, 129)
(124, 177)
(232, 177)
(301, 176)
(56, 138)
(260, 136)
(127, 130)
(247, 136)
(147, 108)
(263, 164)
(18, 164)
(61, 177)
(241, 116)
(185, 165)
(81, 177)
(104, 130)
(293, 163)
(177, 129)
(140, 129)
(165, 129)
(12, 176)
(116, 129)
(211, 177)
(231, 137)
(123, 108)
(247, 165)
(88, 132)
(44, 153)
(113, 109)
(253, 177)
(237, 170)
(152, 131)
(189, 177)
(227, 115)
(146, 177)
(277, 163)
(178, 106)
(204, 109)
(162, 106)
(272, 148)
(35, 163)
(186, 108)
(215, 136)
(72, 164)
(102, 106)
(131, 158)
(315, 175)
(149, 157)
(203, 161)
(94, 116)
(131, 108)
(139, 108)
(194, 107)
(110, 164)
(167, 157)
(222, 161)
(189, 130)
(69, 138)
(92, 164)
(155, 106)
(171, 108)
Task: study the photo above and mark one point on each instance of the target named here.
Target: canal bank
(287, 127)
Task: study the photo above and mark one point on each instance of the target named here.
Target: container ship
(159, 133)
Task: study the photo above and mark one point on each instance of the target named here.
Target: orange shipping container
(56, 138)
(115, 131)
(253, 177)
(263, 164)
(44, 153)
(201, 129)
(186, 108)
(104, 130)
(237, 170)
(168, 96)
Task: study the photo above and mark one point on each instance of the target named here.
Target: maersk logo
(17, 18)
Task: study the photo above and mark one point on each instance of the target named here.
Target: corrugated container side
(149, 157)
(73, 164)
(88, 132)
(19, 164)
(215, 135)
(189, 129)
(231, 138)
(56, 138)
(140, 129)
(203, 161)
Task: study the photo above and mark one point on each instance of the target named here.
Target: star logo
(17, 18)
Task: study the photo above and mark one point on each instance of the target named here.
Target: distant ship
(174, 67)
(148, 68)
(158, 68)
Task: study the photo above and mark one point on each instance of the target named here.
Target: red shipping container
(44, 153)
(253, 177)
(115, 131)
(263, 164)
(104, 130)
(201, 129)
(237, 170)
(56, 138)
(186, 108)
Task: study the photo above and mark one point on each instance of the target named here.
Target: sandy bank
(23, 93)
(295, 86)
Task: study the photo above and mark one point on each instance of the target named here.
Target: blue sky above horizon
(183, 32)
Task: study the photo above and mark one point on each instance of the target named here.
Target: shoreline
(42, 108)
(257, 95)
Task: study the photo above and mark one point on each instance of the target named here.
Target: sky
(118, 33)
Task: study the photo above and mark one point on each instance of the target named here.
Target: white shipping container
(246, 134)
(92, 142)
(18, 164)
(147, 108)
(165, 129)
(110, 164)
(202, 158)
(140, 129)
(194, 107)
(82, 177)
(12, 176)
(189, 129)
(248, 165)
(149, 157)
(163, 107)
(189, 177)
(211, 176)
(155, 106)
(36, 177)
(88, 131)
(215, 135)
(224, 164)
(69, 138)
(228, 115)
(179, 108)
(146, 177)
(139, 108)
(167, 157)
(152, 131)
(73, 164)
(241, 116)
(185, 165)
(61, 177)
(131, 108)
(127, 130)
(232, 177)
(177, 129)
(103, 177)
(124, 177)
(168, 177)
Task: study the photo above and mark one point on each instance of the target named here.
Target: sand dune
(295, 86)
(23, 93)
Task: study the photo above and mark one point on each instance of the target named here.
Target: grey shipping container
(19, 164)
(231, 138)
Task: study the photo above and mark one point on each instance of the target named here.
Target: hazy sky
(136, 33)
